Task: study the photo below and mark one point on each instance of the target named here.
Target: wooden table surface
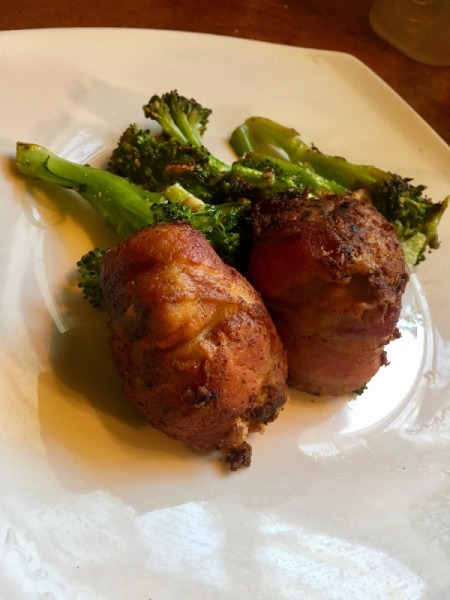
(329, 24)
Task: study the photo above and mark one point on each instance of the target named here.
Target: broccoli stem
(124, 206)
(127, 207)
(259, 134)
(276, 174)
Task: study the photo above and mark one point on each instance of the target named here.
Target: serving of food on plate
(193, 286)
(232, 281)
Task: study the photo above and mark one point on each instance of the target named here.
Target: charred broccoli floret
(180, 118)
(155, 161)
(89, 274)
(175, 154)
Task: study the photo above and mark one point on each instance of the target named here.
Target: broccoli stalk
(259, 134)
(273, 175)
(414, 215)
(105, 192)
(127, 207)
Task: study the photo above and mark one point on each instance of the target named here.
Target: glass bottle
(418, 28)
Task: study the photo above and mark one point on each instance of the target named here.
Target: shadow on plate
(91, 432)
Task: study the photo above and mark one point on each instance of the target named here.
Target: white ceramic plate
(346, 498)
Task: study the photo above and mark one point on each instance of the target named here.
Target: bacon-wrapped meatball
(195, 347)
(332, 274)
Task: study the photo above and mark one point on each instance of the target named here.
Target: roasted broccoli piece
(414, 215)
(127, 207)
(175, 154)
(124, 206)
(273, 175)
(185, 121)
(155, 161)
(179, 117)
(89, 276)
(262, 135)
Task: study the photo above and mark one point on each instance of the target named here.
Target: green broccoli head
(179, 117)
(155, 162)
(228, 228)
(176, 155)
(415, 216)
(89, 277)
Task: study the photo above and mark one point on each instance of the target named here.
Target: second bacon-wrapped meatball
(195, 347)
(332, 274)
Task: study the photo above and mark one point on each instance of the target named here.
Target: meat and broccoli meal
(231, 281)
